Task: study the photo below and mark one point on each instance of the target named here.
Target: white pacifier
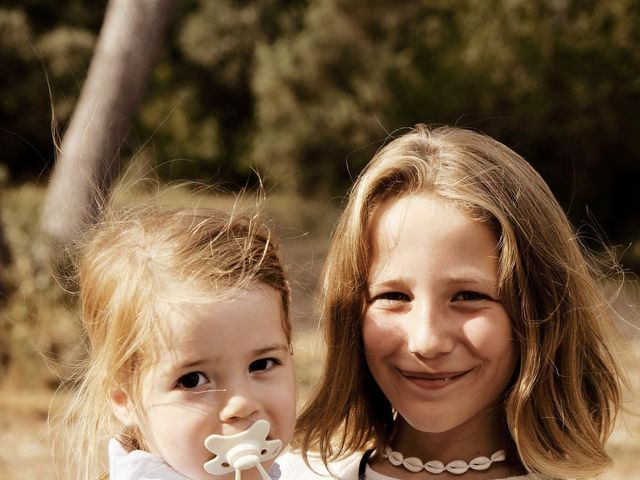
(242, 451)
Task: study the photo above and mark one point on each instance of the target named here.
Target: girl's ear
(121, 407)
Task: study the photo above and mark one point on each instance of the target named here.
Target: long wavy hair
(130, 268)
(561, 406)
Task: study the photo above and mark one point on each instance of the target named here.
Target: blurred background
(303, 92)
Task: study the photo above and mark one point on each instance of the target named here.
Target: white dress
(293, 467)
(139, 465)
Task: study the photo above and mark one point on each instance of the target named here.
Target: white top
(139, 465)
(294, 468)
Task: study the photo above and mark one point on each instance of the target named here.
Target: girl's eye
(468, 296)
(392, 297)
(263, 364)
(192, 380)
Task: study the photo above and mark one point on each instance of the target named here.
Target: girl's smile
(436, 380)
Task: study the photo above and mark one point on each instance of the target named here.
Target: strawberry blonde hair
(131, 266)
(566, 392)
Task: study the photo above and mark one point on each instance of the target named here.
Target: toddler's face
(226, 365)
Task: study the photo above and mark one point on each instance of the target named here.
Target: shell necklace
(457, 467)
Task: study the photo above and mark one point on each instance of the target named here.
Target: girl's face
(437, 339)
(225, 365)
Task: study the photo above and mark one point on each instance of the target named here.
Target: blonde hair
(134, 263)
(565, 396)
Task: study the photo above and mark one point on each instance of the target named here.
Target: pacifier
(242, 451)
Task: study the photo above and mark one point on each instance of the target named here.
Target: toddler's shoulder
(138, 465)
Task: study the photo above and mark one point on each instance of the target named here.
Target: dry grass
(25, 452)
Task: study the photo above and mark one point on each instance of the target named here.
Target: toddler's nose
(239, 407)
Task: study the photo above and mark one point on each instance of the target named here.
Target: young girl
(188, 333)
(464, 322)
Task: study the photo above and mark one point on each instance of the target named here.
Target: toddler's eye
(263, 364)
(192, 380)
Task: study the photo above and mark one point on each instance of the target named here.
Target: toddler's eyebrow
(272, 348)
(192, 363)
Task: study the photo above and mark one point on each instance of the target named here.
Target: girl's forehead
(415, 209)
(400, 214)
(423, 233)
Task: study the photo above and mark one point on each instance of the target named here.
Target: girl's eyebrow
(471, 278)
(462, 277)
(391, 282)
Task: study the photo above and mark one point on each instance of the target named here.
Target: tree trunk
(5, 252)
(88, 161)
(5, 261)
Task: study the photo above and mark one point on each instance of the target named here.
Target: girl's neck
(481, 436)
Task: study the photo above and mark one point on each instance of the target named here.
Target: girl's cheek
(486, 333)
(380, 319)
(379, 332)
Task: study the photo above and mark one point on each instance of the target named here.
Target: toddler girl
(188, 335)
(464, 321)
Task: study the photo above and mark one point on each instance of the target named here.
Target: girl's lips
(434, 381)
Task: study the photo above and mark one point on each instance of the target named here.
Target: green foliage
(319, 95)
(556, 80)
(200, 108)
(19, 62)
(45, 15)
(306, 90)
(31, 59)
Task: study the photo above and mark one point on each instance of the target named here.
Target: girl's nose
(239, 406)
(428, 333)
